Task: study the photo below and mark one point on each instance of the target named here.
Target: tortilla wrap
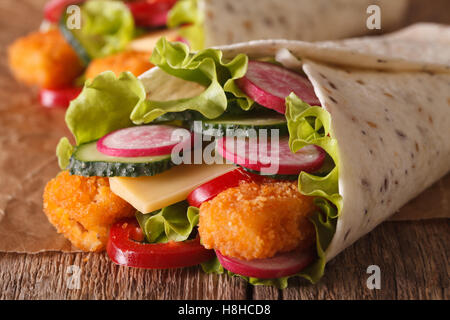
(207, 23)
(231, 21)
(396, 51)
(389, 114)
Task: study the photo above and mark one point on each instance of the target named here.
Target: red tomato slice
(150, 13)
(54, 9)
(212, 188)
(53, 98)
(124, 249)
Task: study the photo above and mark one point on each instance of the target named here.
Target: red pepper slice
(212, 188)
(150, 13)
(53, 98)
(124, 249)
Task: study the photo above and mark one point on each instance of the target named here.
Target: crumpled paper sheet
(28, 135)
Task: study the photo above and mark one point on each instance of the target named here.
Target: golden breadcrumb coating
(44, 59)
(136, 62)
(83, 209)
(256, 221)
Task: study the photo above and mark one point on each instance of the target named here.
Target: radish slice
(270, 158)
(269, 85)
(143, 141)
(281, 265)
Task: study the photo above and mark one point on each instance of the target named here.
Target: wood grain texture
(413, 256)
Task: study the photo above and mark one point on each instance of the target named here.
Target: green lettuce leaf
(186, 13)
(172, 223)
(64, 151)
(104, 105)
(206, 68)
(106, 27)
(239, 96)
(312, 125)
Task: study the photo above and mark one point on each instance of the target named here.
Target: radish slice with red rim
(143, 141)
(281, 265)
(270, 158)
(269, 85)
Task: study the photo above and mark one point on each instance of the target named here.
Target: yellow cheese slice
(148, 42)
(148, 194)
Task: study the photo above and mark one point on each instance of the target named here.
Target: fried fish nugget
(83, 209)
(256, 221)
(137, 62)
(44, 59)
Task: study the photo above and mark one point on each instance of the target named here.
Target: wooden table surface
(413, 256)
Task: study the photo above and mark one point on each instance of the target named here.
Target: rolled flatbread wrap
(386, 116)
(221, 22)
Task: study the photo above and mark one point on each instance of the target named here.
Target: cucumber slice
(73, 41)
(248, 124)
(88, 161)
(290, 177)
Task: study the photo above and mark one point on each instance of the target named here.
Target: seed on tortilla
(229, 7)
(400, 134)
(347, 234)
(282, 20)
(268, 21)
(332, 85)
(364, 182)
(332, 99)
(372, 124)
